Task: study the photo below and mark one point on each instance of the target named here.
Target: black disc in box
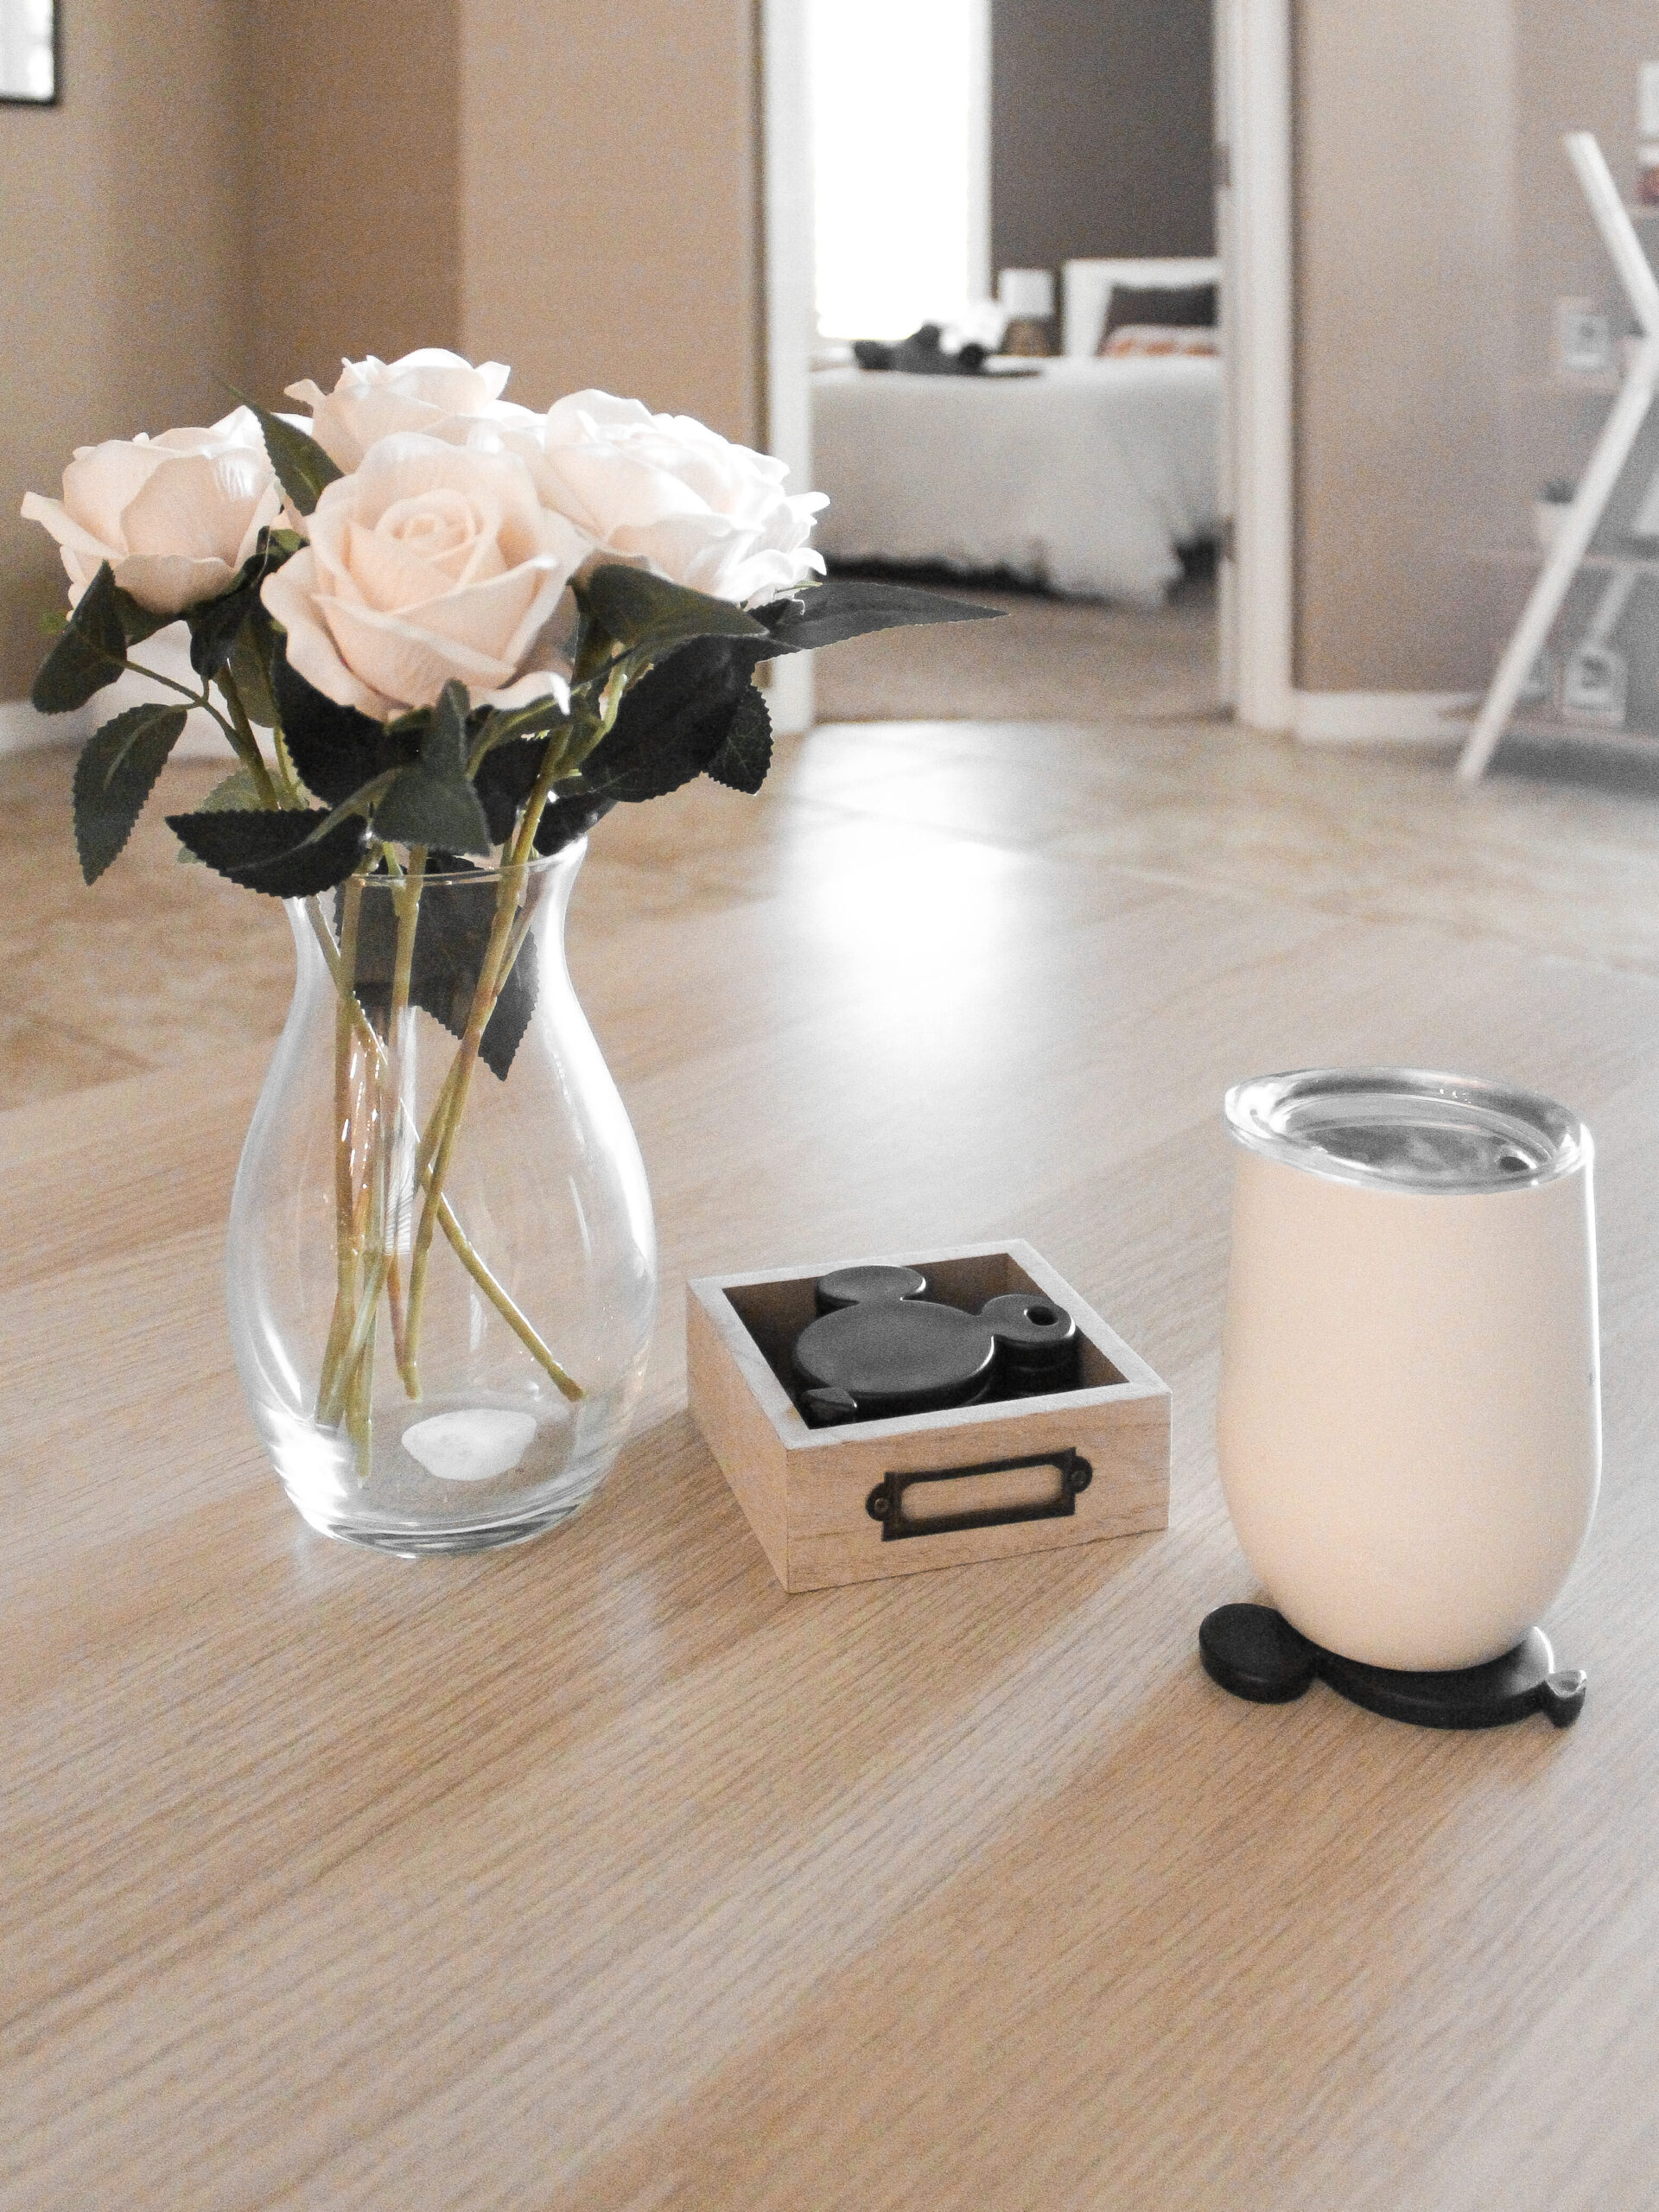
(867, 1286)
(1256, 1653)
(890, 1358)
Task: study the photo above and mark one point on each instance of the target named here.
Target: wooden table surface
(599, 1872)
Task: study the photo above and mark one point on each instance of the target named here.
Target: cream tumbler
(1409, 1421)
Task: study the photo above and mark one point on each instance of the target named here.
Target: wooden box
(879, 1497)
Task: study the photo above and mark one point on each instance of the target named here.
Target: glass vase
(442, 1267)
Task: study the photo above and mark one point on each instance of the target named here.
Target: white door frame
(980, 282)
(788, 293)
(1252, 91)
(1253, 75)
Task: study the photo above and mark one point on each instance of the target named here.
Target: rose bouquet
(443, 636)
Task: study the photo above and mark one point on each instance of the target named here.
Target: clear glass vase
(442, 1268)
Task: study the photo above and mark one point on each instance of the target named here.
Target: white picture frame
(31, 72)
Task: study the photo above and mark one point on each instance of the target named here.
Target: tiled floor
(1095, 739)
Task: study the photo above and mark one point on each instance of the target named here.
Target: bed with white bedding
(1086, 478)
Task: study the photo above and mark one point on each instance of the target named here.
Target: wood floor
(1085, 733)
(599, 1874)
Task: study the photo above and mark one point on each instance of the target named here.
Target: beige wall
(1404, 331)
(240, 195)
(124, 216)
(1438, 222)
(356, 214)
(609, 201)
(1101, 128)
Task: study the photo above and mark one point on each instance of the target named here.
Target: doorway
(995, 49)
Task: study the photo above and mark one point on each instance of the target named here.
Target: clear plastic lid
(1407, 1130)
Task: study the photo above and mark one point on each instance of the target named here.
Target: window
(902, 158)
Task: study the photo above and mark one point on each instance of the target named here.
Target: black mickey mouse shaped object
(880, 1348)
(1256, 1653)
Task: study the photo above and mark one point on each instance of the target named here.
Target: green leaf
(506, 776)
(673, 721)
(431, 802)
(288, 856)
(502, 726)
(570, 814)
(303, 470)
(237, 794)
(852, 606)
(252, 652)
(746, 753)
(642, 612)
(215, 624)
(335, 749)
(90, 654)
(138, 622)
(452, 934)
(114, 776)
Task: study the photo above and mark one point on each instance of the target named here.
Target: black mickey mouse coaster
(1255, 1653)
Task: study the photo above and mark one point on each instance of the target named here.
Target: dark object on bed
(1173, 307)
(921, 355)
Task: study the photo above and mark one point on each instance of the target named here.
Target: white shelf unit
(1632, 395)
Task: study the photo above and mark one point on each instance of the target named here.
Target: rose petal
(101, 480)
(290, 597)
(56, 518)
(539, 684)
(384, 573)
(169, 582)
(402, 660)
(196, 505)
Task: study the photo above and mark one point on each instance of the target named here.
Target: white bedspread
(1086, 478)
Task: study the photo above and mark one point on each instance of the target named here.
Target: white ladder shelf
(1580, 524)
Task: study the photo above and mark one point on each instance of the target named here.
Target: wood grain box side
(833, 1539)
(725, 1388)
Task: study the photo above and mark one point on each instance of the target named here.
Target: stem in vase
(340, 1365)
(437, 1144)
(408, 900)
(448, 1220)
(452, 1105)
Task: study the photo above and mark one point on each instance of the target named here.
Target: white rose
(667, 492)
(430, 391)
(175, 516)
(433, 561)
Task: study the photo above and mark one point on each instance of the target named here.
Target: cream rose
(667, 492)
(432, 562)
(175, 516)
(430, 391)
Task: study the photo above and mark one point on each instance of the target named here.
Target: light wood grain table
(599, 1872)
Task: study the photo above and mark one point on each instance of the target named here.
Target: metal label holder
(887, 1501)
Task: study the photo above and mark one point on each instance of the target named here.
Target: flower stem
(438, 1142)
(202, 699)
(453, 1104)
(245, 745)
(407, 897)
(342, 1325)
(448, 1220)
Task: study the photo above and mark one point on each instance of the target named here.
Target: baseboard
(1383, 717)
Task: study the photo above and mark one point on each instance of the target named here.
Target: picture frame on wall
(31, 73)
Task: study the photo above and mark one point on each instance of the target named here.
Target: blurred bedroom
(1016, 371)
